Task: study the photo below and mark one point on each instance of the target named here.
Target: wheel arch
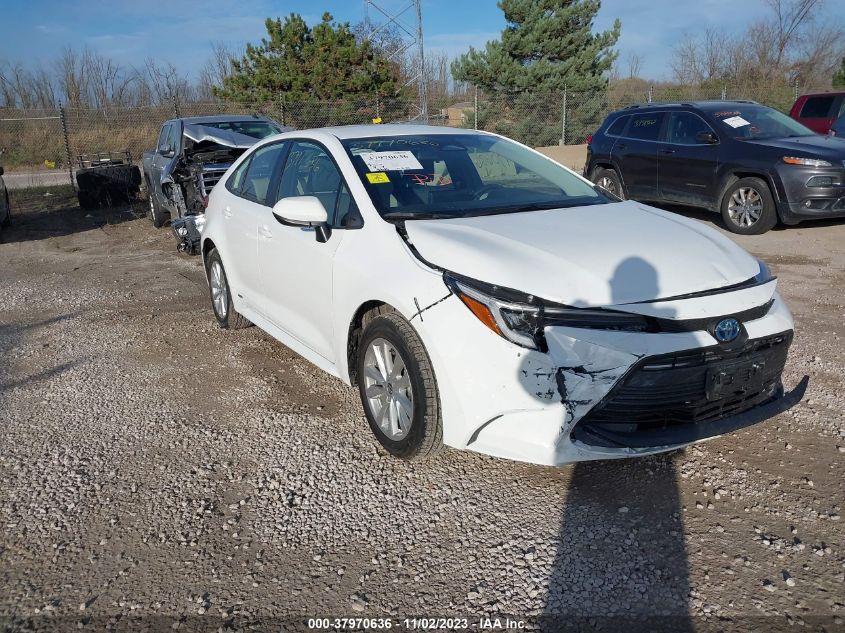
(363, 315)
(733, 175)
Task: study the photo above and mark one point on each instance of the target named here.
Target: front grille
(211, 175)
(670, 390)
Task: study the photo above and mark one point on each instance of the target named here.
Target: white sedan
(482, 296)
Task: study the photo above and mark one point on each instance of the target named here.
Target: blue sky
(181, 31)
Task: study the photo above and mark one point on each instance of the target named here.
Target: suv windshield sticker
(736, 121)
(391, 161)
(721, 115)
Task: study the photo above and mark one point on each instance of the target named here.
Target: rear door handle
(666, 150)
(621, 146)
(265, 232)
(227, 212)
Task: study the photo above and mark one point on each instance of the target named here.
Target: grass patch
(43, 198)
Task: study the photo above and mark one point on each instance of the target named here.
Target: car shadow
(38, 216)
(621, 562)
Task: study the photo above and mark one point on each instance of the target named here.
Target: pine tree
(546, 45)
(325, 62)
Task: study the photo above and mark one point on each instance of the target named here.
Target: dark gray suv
(752, 163)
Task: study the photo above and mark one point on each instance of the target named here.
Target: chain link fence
(569, 117)
(50, 140)
(41, 141)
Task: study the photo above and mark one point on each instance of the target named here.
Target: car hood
(595, 255)
(204, 134)
(827, 147)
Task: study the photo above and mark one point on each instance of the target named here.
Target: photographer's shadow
(621, 562)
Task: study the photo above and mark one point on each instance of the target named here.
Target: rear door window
(817, 108)
(645, 126)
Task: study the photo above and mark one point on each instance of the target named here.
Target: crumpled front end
(600, 394)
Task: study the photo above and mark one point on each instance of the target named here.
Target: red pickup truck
(818, 111)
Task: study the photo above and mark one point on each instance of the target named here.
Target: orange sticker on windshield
(377, 178)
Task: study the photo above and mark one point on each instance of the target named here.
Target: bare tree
(216, 69)
(71, 78)
(635, 63)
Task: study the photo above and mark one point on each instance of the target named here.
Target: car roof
(221, 118)
(832, 93)
(714, 104)
(344, 132)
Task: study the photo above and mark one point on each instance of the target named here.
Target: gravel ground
(158, 472)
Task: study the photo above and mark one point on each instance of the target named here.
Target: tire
(8, 219)
(610, 181)
(88, 201)
(221, 297)
(154, 212)
(748, 207)
(386, 339)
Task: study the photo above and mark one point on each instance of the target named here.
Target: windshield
(255, 129)
(758, 122)
(461, 175)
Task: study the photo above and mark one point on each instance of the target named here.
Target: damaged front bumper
(188, 232)
(601, 394)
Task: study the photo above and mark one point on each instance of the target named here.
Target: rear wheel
(221, 297)
(609, 180)
(748, 207)
(398, 388)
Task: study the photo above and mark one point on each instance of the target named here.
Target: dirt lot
(158, 472)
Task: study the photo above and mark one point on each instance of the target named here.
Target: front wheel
(398, 388)
(748, 207)
(221, 297)
(155, 213)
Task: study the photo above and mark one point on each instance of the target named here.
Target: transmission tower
(411, 37)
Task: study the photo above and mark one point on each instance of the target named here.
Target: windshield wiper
(536, 206)
(417, 215)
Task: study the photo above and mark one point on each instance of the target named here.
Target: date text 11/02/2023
(421, 623)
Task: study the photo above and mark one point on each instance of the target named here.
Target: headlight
(806, 162)
(521, 318)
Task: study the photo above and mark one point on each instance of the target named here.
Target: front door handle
(227, 212)
(666, 150)
(265, 232)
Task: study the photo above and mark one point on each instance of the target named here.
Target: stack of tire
(107, 185)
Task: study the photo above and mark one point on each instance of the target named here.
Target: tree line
(545, 46)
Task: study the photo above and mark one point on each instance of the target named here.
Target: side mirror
(707, 138)
(304, 211)
(165, 150)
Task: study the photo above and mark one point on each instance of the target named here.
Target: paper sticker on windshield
(391, 161)
(378, 178)
(736, 121)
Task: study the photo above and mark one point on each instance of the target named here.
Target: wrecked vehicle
(484, 297)
(191, 156)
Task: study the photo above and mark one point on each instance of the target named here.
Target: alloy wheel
(608, 185)
(745, 206)
(387, 386)
(219, 293)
